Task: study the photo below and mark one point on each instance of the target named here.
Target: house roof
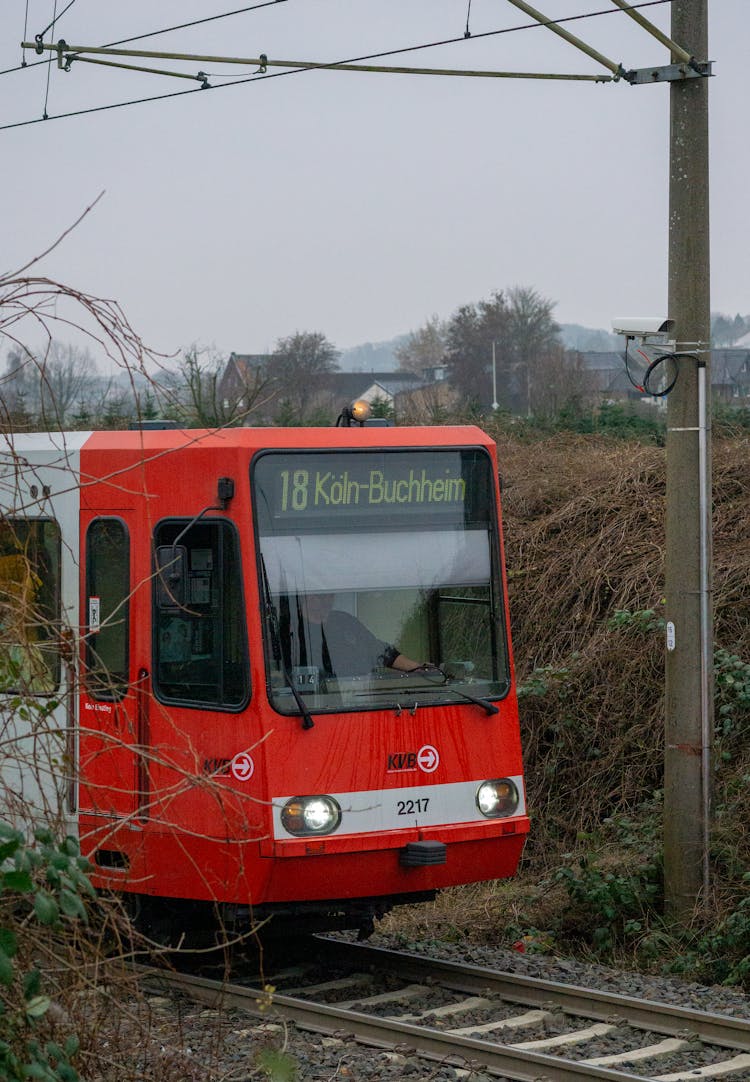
(248, 362)
(730, 366)
(353, 384)
(602, 360)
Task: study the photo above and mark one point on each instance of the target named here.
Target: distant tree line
(504, 350)
(63, 387)
(500, 353)
(287, 389)
(726, 331)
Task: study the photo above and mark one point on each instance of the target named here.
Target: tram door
(37, 712)
(110, 699)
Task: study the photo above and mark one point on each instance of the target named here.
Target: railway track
(471, 1018)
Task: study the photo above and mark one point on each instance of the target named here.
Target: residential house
(240, 380)
(245, 372)
(730, 375)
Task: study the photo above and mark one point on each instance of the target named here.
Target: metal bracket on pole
(669, 73)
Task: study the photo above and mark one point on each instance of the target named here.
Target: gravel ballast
(214, 1046)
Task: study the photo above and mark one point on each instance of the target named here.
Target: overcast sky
(360, 204)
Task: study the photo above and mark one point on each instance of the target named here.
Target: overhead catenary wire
(199, 22)
(38, 40)
(71, 53)
(280, 74)
(25, 34)
(200, 77)
(150, 33)
(372, 56)
(55, 19)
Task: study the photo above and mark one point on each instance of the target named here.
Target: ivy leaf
(6, 969)
(71, 905)
(32, 982)
(8, 942)
(7, 849)
(72, 1044)
(70, 846)
(82, 882)
(279, 1066)
(18, 881)
(45, 908)
(38, 1006)
(37, 1070)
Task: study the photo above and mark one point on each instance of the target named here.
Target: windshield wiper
(486, 705)
(278, 653)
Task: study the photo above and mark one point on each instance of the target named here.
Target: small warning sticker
(243, 767)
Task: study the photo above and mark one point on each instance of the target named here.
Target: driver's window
(200, 653)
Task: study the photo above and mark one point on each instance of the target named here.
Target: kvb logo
(426, 759)
(242, 766)
(402, 760)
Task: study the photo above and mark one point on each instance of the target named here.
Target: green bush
(719, 954)
(613, 900)
(40, 884)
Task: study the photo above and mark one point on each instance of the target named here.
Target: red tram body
(200, 749)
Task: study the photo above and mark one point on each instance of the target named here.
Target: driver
(341, 645)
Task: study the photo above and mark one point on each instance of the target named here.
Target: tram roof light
(358, 412)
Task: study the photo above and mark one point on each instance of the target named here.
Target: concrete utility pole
(689, 664)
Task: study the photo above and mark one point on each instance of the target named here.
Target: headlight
(497, 798)
(311, 815)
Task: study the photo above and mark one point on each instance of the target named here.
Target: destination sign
(361, 484)
(303, 488)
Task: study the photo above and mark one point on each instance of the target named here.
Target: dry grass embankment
(584, 535)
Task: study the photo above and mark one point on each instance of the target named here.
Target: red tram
(274, 664)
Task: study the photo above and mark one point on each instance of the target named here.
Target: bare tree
(67, 375)
(424, 348)
(470, 333)
(558, 380)
(193, 392)
(517, 328)
(299, 367)
(532, 333)
(725, 330)
(19, 390)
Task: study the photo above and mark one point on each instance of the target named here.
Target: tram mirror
(171, 561)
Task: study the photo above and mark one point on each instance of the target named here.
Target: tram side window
(108, 608)
(200, 654)
(29, 606)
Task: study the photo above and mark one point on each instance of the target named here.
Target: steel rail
(670, 1019)
(389, 1034)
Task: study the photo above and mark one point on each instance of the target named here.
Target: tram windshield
(380, 578)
